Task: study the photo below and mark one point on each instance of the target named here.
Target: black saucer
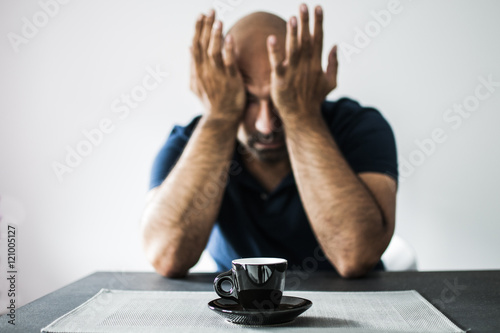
(289, 309)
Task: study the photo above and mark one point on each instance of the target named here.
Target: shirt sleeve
(370, 146)
(170, 152)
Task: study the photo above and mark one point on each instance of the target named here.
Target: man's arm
(352, 216)
(181, 212)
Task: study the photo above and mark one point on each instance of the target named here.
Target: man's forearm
(179, 217)
(343, 213)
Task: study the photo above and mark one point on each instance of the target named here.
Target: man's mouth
(268, 145)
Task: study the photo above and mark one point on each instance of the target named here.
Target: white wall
(64, 79)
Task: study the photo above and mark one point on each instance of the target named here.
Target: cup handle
(226, 276)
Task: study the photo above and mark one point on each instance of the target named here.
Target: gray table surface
(471, 299)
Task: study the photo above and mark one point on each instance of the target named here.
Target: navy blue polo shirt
(255, 223)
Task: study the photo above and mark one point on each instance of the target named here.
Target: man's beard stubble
(267, 155)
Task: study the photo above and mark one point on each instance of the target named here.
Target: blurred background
(91, 89)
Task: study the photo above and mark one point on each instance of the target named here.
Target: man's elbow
(355, 268)
(170, 270)
(352, 272)
(165, 263)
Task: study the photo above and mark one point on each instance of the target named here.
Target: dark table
(471, 299)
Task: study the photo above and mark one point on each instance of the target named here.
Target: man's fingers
(304, 34)
(292, 44)
(332, 68)
(214, 48)
(207, 31)
(318, 37)
(275, 55)
(229, 55)
(196, 47)
(193, 73)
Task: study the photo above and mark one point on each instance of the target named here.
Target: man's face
(261, 131)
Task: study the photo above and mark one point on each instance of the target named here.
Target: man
(271, 168)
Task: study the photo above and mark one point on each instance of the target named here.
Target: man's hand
(215, 79)
(298, 83)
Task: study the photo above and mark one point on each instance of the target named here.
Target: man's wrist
(299, 117)
(225, 120)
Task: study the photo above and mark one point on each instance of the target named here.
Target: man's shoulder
(363, 135)
(186, 130)
(345, 115)
(346, 109)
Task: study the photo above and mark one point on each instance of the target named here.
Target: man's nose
(265, 119)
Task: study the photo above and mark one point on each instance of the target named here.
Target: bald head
(250, 34)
